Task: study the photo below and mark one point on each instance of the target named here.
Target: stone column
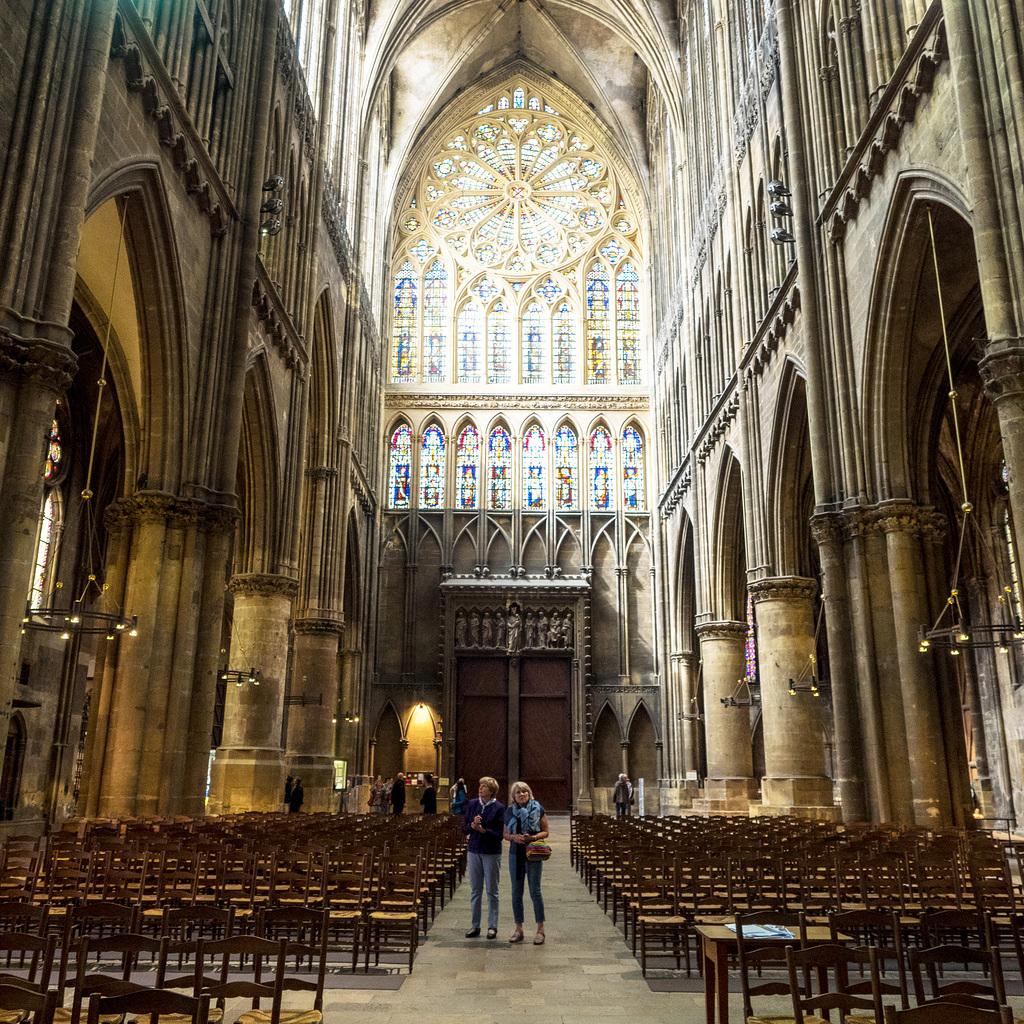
(903, 523)
(1003, 374)
(310, 727)
(249, 769)
(794, 749)
(730, 785)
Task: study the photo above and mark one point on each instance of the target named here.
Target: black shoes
(472, 933)
(492, 933)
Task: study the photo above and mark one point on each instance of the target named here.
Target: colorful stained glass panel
(467, 466)
(470, 331)
(499, 345)
(600, 459)
(403, 367)
(567, 468)
(432, 459)
(598, 340)
(627, 323)
(435, 323)
(564, 348)
(632, 469)
(535, 466)
(535, 329)
(401, 466)
(499, 470)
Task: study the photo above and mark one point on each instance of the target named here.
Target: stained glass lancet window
(600, 452)
(627, 323)
(467, 467)
(598, 355)
(567, 468)
(403, 366)
(470, 330)
(44, 550)
(534, 344)
(435, 323)
(499, 345)
(751, 643)
(432, 469)
(632, 469)
(564, 355)
(535, 466)
(401, 466)
(54, 452)
(499, 470)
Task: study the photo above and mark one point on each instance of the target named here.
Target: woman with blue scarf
(525, 821)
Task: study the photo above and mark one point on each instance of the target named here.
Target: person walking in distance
(398, 794)
(296, 797)
(458, 797)
(485, 815)
(623, 795)
(429, 799)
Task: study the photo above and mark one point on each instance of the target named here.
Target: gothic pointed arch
(388, 759)
(729, 589)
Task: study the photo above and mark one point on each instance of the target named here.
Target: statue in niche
(460, 629)
(499, 630)
(567, 630)
(555, 631)
(542, 630)
(474, 629)
(487, 633)
(530, 637)
(514, 626)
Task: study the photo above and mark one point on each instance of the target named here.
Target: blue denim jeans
(483, 873)
(533, 870)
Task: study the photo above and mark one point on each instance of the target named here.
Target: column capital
(783, 588)
(318, 626)
(828, 528)
(908, 517)
(258, 584)
(1002, 370)
(37, 350)
(160, 507)
(724, 630)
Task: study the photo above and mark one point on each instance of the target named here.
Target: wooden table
(718, 941)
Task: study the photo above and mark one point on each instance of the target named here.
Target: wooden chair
(978, 990)
(752, 958)
(944, 1013)
(152, 1003)
(249, 979)
(306, 932)
(835, 961)
(21, 998)
(884, 933)
(393, 925)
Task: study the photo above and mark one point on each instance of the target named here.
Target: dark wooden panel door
(481, 721)
(545, 748)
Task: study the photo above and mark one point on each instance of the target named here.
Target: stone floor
(583, 974)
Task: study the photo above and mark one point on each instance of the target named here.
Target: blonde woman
(483, 825)
(525, 821)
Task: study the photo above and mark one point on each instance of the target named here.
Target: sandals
(538, 939)
(492, 933)
(516, 937)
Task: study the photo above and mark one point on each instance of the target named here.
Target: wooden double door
(513, 721)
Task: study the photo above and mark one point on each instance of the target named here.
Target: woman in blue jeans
(483, 825)
(525, 821)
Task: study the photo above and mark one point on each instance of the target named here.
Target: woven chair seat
(287, 1017)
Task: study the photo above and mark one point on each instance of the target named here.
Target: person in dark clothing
(296, 797)
(288, 791)
(623, 796)
(398, 794)
(429, 799)
(484, 825)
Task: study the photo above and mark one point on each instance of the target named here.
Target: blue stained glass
(467, 464)
(600, 468)
(549, 290)
(564, 354)
(432, 459)
(402, 364)
(567, 467)
(598, 345)
(627, 327)
(534, 344)
(470, 329)
(535, 466)
(499, 344)
(499, 470)
(519, 98)
(435, 322)
(401, 466)
(632, 469)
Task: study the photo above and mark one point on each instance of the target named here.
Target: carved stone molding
(724, 630)
(258, 584)
(158, 507)
(1003, 373)
(622, 688)
(783, 588)
(908, 517)
(626, 403)
(51, 364)
(318, 627)
(514, 629)
(828, 528)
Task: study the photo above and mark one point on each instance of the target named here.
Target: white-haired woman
(525, 821)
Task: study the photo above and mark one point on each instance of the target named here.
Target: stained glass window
(518, 98)
(54, 451)
(401, 466)
(499, 470)
(432, 469)
(598, 342)
(627, 326)
(470, 330)
(467, 466)
(435, 322)
(751, 643)
(534, 344)
(499, 345)
(564, 355)
(632, 469)
(403, 366)
(567, 468)
(600, 451)
(535, 465)
(44, 550)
